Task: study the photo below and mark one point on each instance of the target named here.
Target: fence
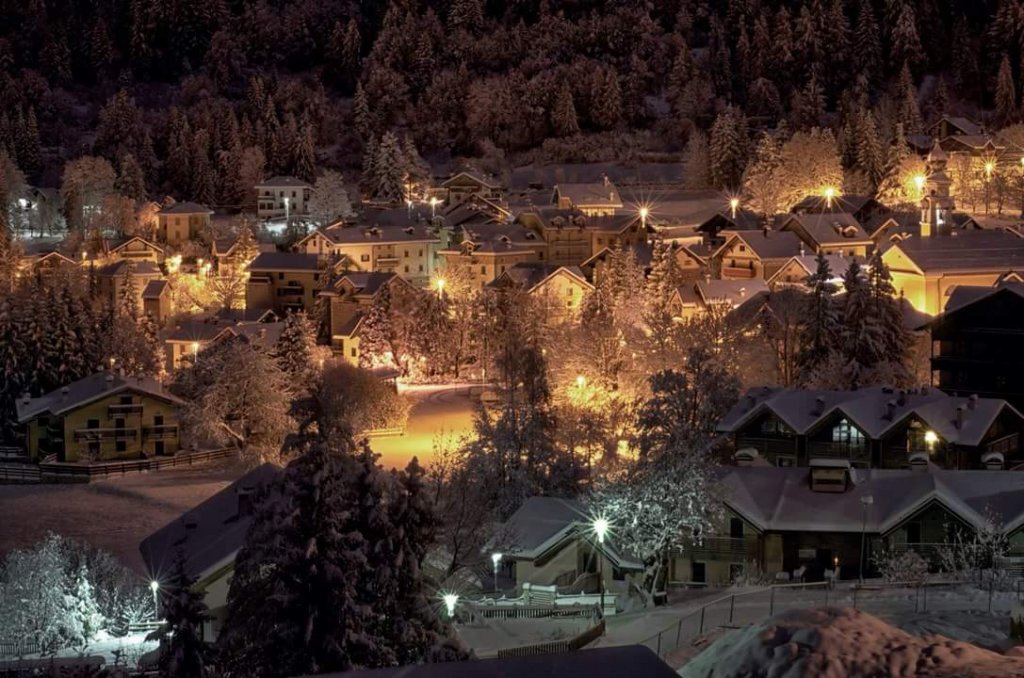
(557, 646)
(58, 472)
(17, 648)
(19, 473)
(740, 609)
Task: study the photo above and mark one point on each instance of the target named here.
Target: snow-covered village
(462, 339)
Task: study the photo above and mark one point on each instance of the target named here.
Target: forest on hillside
(197, 98)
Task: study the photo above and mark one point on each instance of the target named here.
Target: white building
(280, 196)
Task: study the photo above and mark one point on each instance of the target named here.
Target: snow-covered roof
(118, 268)
(990, 251)
(529, 275)
(154, 289)
(84, 391)
(781, 499)
(209, 535)
(186, 208)
(766, 244)
(285, 261)
(137, 238)
(596, 194)
(281, 181)
(965, 295)
(875, 411)
(832, 228)
(731, 292)
(842, 203)
(367, 282)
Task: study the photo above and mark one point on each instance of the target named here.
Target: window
(406, 269)
(354, 353)
(774, 426)
(421, 253)
(364, 257)
(93, 423)
(126, 400)
(483, 270)
(280, 276)
(407, 254)
(120, 446)
(845, 433)
(158, 420)
(119, 423)
(421, 268)
(158, 447)
(743, 248)
(785, 461)
(736, 528)
(569, 303)
(913, 533)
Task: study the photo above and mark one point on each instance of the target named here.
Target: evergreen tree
(295, 348)
(377, 331)
(131, 181)
(87, 611)
(867, 40)
(1006, 93)
(905, 44)
(467, 15)
(183, 652)
(867, 149)
(389, 171)
(763, 181)
(860, 344)
(696, 162)
(728, 149)
(608, 100)
(362, 117)
(563, 113)
(909, 111)
(819, 333)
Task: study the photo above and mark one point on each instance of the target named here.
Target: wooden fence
(533, 611)
(58, 472)
(17, 648)
(557, 646)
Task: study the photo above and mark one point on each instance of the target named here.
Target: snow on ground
(114, 514)
(487, 636)
(437, 409)
(845, 642)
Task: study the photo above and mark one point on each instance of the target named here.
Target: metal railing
(105, 433)
(740, 609)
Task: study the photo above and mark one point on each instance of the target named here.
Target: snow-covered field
(844, 642)
(114, 514)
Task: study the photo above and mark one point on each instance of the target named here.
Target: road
(445, 410)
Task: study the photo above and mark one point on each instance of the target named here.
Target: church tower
(937, 203)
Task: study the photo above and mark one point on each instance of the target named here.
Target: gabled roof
(830, 228)
(284, 261)
(118, 268)
(84, 391)
(531, 275)
(837, 263)
(238, 316)
(642, 251)
(963, 296)
(875, 411)
(729, 292)
(209, 535)
(473, 177)
(965, 251)
(339, 234)
(765, 244)
(368, 282)
(280, 181)
(137, 238)
(186, 208)
(745, 220)
(350, 328)
(597, 194)
(963, 125)
(60, 258)
(815, 204)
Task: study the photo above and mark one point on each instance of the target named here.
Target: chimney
(819, 406)
(63, 393)
(902, 400)
(801, 248)
(959, 417)
(605, 180)
(108, 380)
(972, 401)
(25, 398)
(890, 410)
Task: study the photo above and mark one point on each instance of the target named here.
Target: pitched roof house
(755, 254)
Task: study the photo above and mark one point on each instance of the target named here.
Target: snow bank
(841, 642)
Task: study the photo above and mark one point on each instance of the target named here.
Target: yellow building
(103, 416)
(137, 248)
(758, 254)
(183, 221)
(111, 279)
(351, 297)
(185, 342)
(599, 199)
(486, 260)
(830, 233)
(284, 281)
(409, 250)
(557, 291)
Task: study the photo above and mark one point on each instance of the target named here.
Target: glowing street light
(287, 212)
(440, 287)
(734, 204)
(408, 204)
(989, 168)
(154, 586)
(496, 559)
(195, 352)
(450, 600)
(433, 207)
(643, 217)
(919, 182)
(581, 381)
(600, 527)
(830, 193)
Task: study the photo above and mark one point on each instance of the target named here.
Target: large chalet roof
(84, 391)
(388, 233)
(831, 228)
(636, 661)
(962, 125)
(281, 181)
(209, 535)
(963, 296)
(528, 275)
(781, 499)
(121, 266)
(284, 261)
(875, 411)
(368, 282)
(964, 251)
(767, 244)
(154, 289)
(596, 194)
(729, 292)
(814, 204)
(186, 208)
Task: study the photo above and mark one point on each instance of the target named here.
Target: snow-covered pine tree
(762, 180)
(728, 149)
(389, 171)
(821, 329)
(867, 40)
(897, 342)
(329, 201)
(89, 618)
(183, 652)
(303, 161)
(417, 170)
(904, 41)
(1006, 93)
(696, 162)
(908, 109)
(376, 332)
(564, 120)
(295, 348)
(607, 111)
(663, 280)
(869, 154)
(362, 117)
(861, 342)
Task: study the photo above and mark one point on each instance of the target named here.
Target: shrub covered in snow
(900, 566)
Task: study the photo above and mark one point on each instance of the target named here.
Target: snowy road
(436, 410)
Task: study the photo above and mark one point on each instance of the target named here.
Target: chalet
(208, 537)
(284, 281)
(48, 264)
(876, 428)
(748, 255)
(830, 233)
(730, 220)
(472, 211)
(180, 222)
(568, 239)
(488, 251)
(156, 301)
(409, 250)
(559, 291)
(103, 416)
(621, 230)
(709, 294)
(351, 297)
(185, 343)
(964, 137)
(795, 271)
(600, 199)
(642, 253)
(138, 248)
(233, 255)
(800, 524)
(976, 342)
(553, 544)
(861, 207)
(465, 185)
(111, 279)
(282, 196)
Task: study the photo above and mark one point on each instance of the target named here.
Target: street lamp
(408, 204)
(866, 501)
(496, 559)
(989, 167)
(829, 194)
(734, 204)
(643, 217)
(450, 600)
(195, 352)
(154, 586)
(440, 288)
(601, 529)
(919, 182)
(581, 382)
(433, 207)
(287, 213)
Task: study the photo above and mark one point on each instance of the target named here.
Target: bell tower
(936, 205)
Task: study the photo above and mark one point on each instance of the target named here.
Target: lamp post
(601, 529)
(496, 559)
(734, 204)
(154, 586)
(433, 207)
(866, 501)
(287, 212)
(919, 183)
(829, 194)
(989, 166)
(195, 352)
(450, 600)
(643, 217)
(440, 288)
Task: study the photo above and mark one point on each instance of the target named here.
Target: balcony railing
(124, 408)
(838, 451)
(291, 290)
(160, 432)
(735, 549)
(110, 433)
(737, 272)
(768, 446)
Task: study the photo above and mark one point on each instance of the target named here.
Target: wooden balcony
(830, 450)
(734, 272)
(291, 290)
(102, 434)
(732, 549)
(160, 432)
(124, 409)
(768, 446)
